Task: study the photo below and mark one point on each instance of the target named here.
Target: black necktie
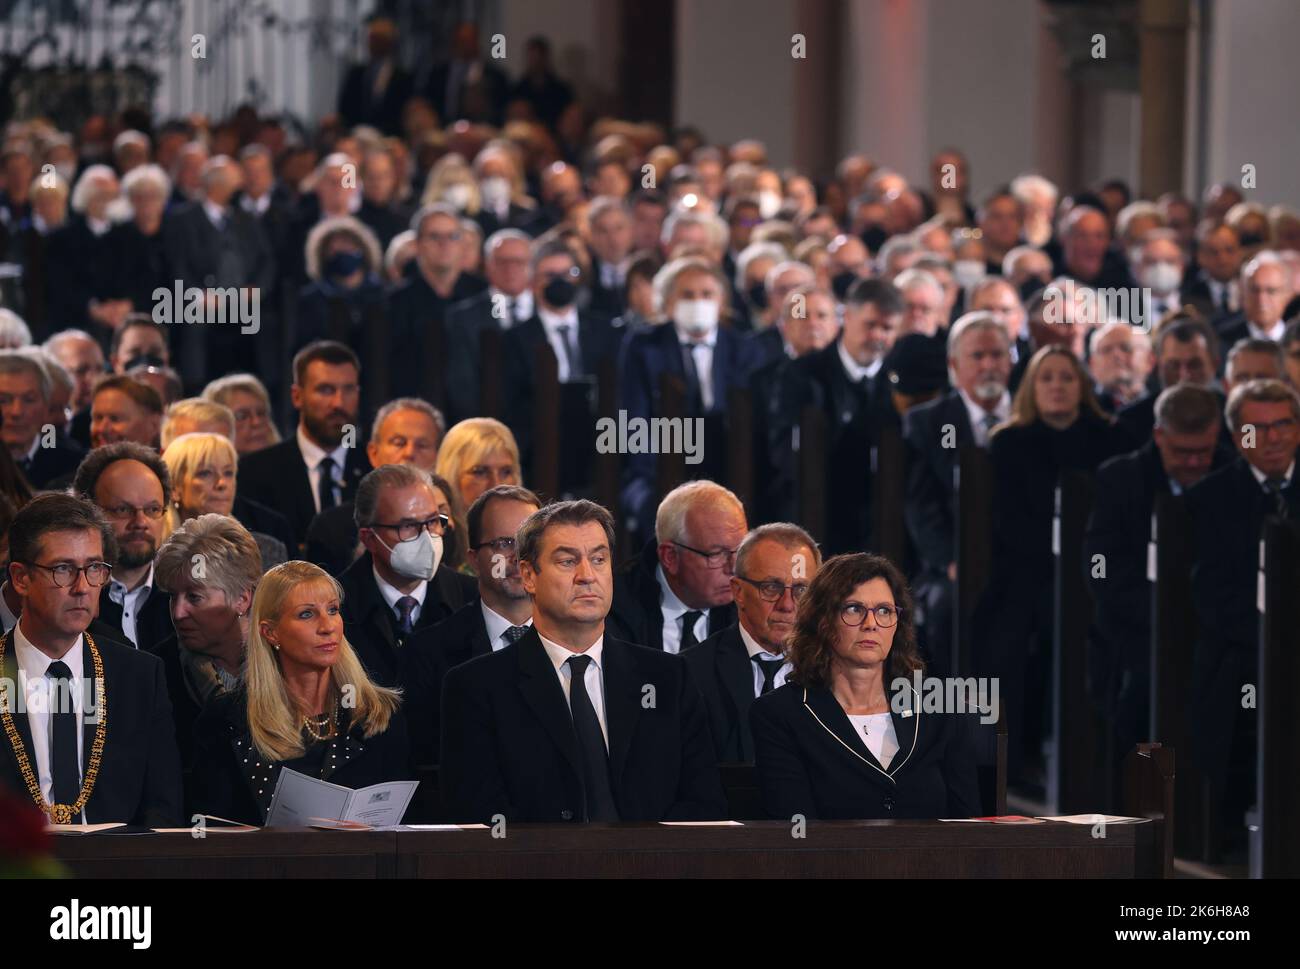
(514, 634)
(570, 352)
(770, 668)
(65, 765)
(325, 486)
(405, 614)
(591, 744)
(694, 396)
(1274, 488)
(688, 629)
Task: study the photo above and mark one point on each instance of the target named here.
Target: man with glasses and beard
(130, 484)
(319, 467)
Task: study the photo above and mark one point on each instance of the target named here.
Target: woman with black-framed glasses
(848, 736)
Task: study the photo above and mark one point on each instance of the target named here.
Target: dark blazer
(812, 762)
(257, 517)
(332, 538)
(724, 673)
(152, 625)
(608, 301)
(1228, 509)
(79, 268)
(854, 423)
(370, 625)
(140, 775)
(509, 747)
(464, 326)
(635, 615)
(141, 265)
(357, 103)
(1196, 293)
(1138, 420)
(277, 478)
(51, 463)
(929, 507)
(424, 661)
(416, 308)
(185, 711)
(231, 781)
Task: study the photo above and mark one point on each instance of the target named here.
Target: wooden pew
(973, 483)
(740, 447)
(546, 423)
(888, 490)
(1149, 793)
(491, 347)
(1275, 844)
(607, 470)
(810, 483)
(670, 469)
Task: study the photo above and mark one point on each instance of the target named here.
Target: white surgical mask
(1163, 277)
(417, 559)
(769, 203)
(495, 192)
(968, 272)
(697, 315)
(458, 195)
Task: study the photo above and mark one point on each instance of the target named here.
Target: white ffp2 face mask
(417, 559)
(697, 315)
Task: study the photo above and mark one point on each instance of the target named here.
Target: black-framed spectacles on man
(407, 530)
(65, 574)
(715, 559)
(770, 590)
(501, 546)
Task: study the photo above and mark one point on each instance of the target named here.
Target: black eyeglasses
(715, 559)
(408, 530)
(65, 574)
(855, 614)
(501, 546)
(771, 591)
(125, 512)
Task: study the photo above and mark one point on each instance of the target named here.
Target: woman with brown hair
(847, 736)
(1056, 426)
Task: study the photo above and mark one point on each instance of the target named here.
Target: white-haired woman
(248, 400)
(141, 262)
(306, 704)
(344, 262)
(87, 293)
(204, 469)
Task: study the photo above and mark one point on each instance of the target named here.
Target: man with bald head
(678, 592)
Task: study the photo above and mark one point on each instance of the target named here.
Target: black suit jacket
(139, 778)
(724, 673)
(51, 463)
(332, 538)
(464, 326)
(79, 267)
(929, 507)
(415, 310)
(509, 747)
(1138, 420)
(371, 626)
(231, 781)
(277, 478)
(425, 659)
(357, 103)
(812, 762)
(185, 711)
(635, 615)
(152, 625)
(257, 517)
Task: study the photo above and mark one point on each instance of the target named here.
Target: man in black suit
(611, 245)
(568, 724)
(400, 584)
(1181, 453)
(434, 283)
(847, 382)
(407, 430)
(36, 447)
(1266, 288)
(1086, 255)
(467, 87)
(501, 615)
(61, 548)
(380, 208)
(83, 358)
(130, 485)
(1187, 351)
(1112, 348)
(216, 245)
(268, 202)
(709, 359)
(374, 93)
(1214, 288)
(506, 303)
(1228, 510)
(319, 466)
(996, 295)
(774, 565)
(580, 341)
(677, 593)
(980, 364)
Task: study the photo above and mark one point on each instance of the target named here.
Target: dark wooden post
(670, 469)
(1149, 793)
(740, 445)
(810, 448)
(491, 345)
(546, 422)
(432, 386)
(608, 465)
(378, 378)
(973, 483)
(888, 489)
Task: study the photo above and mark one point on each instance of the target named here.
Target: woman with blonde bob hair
(247, 398)
(478, 454)
(306, 704)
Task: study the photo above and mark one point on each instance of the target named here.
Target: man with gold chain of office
(87, 727)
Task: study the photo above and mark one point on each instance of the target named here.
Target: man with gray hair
(611, 245)
(37, 447)
(1267, 285)
(774, 565)
(83, 357)
(556, 726)
(678, 592)
(400, 584)
(1252, 358)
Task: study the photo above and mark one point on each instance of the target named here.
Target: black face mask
(841, 283)
(757, 296)
(560, 292)
(343, 264)
(1029, 287)
(1249, 239)
(873, 237)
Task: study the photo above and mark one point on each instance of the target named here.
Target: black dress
(231, 780)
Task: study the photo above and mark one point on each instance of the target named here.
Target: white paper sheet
(299, 800)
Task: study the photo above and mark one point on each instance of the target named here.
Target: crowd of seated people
(354, 469)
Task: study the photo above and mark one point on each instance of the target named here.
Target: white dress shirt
(131, 602)
(551, 323)
(98, 226)
(877, 732)
(702, 355)
(1216, 294)
(1261, 477)
(255, 207)
(518, 308)
(216, 214)
(497, 625)
(754, 649)
(1273, 333)
(391, 595)
(854, 369)
(312, 455)
(673, 609)
(593, 679)
(976, 413)
(32, 665)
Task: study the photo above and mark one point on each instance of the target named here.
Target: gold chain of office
(61, 813)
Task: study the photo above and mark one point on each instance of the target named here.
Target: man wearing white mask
(400, 584)
(1160, 274)
(709, 360)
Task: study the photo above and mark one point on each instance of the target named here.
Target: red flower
(22, 829)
